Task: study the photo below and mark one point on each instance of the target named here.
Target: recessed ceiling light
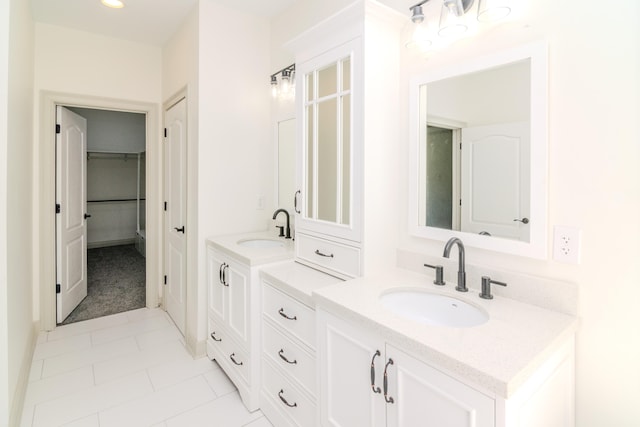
(115, 4)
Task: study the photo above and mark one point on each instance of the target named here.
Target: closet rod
(114, 200)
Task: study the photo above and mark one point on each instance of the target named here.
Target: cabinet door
(329, 96)
(346, 396)
(237, 278)
(217, 291)
(426, 397)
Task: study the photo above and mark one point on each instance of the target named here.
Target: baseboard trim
(107, 243)
(17, 407)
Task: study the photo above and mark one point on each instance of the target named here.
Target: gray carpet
(115, 283)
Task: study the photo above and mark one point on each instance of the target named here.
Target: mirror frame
(537, 246)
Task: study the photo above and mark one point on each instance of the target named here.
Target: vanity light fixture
(114, 4)
(453, 21)
(286, 81)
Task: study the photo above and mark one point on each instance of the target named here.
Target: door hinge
(57, 208)
(165, 132)
(58, 130)
(461, 146)
(460, 202)
(165, 279)
(57, 288)
(165, 206)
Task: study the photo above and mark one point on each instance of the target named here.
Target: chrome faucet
(462, 280)
(275, 214)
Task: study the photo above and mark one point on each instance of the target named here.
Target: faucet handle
(439, 273)
(486, 287)
(281, 227)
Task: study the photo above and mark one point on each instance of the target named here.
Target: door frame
(44, 242)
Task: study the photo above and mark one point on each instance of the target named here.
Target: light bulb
(274, 86)
(452, 19)
(493, 10)
(114, 4)
(286, 83)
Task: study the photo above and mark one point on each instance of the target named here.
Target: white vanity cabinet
(234, 321)
(365, 381)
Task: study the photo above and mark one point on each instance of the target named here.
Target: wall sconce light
(453, 20)
(286, 87)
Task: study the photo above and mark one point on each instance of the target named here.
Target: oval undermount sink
(261, 243)
(433, 309)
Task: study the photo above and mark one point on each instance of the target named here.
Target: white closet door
(71, 224)
(175, 174)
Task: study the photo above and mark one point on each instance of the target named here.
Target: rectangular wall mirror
(478, 152)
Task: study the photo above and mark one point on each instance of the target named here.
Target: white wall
(114, 131)
(5, 405)
(594, 184)
(104, 72)
(17, 332)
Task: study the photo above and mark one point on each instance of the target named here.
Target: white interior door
(175, 190)
(495, 180)
(71, 224)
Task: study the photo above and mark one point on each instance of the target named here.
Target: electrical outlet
(566, 244)
(260, 203)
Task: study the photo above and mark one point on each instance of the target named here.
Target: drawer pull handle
(373, 373)
(283, 314)
(324, 255)
(213, 335)
(282, 356)
(285, 400)
(234, 360)
(384, 384)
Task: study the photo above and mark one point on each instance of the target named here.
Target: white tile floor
(129, 369)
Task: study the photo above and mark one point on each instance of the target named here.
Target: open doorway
(100, 232)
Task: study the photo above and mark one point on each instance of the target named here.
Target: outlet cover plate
(566, 244)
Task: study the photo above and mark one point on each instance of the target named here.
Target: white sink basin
(261, 243)
(433, 309)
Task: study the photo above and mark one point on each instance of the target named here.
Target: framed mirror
(478, 165)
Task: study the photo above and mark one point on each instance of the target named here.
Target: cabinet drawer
(342, 259)
(228, 352)
(293, 316)
(289, 357)
(292, 402)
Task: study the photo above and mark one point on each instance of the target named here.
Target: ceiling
(143, 21)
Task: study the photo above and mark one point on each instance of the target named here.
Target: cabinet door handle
(285, 400)
(179, 230)
(220, 273)
(282, 356)
(234, 360)
(385, 384)
(373, 373)
(283, 314)
(324, 255)
(295, 201)
(213, 335)
(225, 269)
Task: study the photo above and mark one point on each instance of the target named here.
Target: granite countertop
(253, 256)
(297, 280)
(499, 355)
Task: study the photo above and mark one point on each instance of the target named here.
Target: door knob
(87, 216)
(179, 230)
(523, 220)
